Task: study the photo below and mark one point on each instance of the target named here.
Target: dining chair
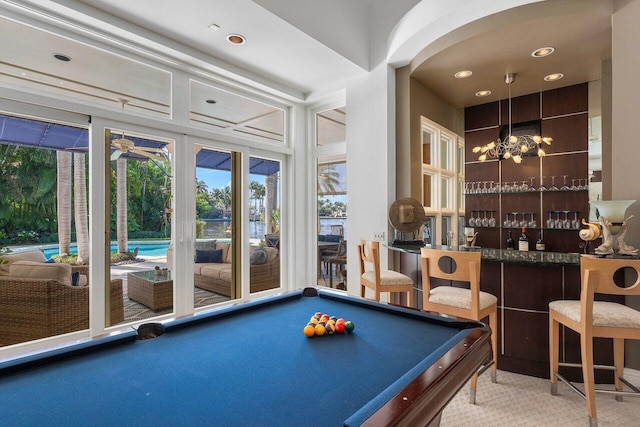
(468, 303)
(330, 255)
(591, 319)
(377, 279)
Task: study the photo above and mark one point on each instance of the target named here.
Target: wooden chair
(470, 304)
(597, 319)
(379, 280)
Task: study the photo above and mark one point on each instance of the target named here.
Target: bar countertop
(502, 255)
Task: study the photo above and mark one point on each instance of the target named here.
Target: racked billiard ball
(349, 326)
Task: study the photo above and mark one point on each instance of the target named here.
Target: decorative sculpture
(610, 224)
(606, 247)
(623, 248)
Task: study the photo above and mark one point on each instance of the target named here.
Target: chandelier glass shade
(513, 147)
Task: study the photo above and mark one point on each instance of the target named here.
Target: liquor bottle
(540, 242)
(510, 244)
(523, 241)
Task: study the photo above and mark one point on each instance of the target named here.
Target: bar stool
(377, 279)
(470, 304)
(597, 319)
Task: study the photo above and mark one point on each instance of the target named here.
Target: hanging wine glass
(542, 188)
(532, 221)
(573, 187)
(564, 187)
(553, 184)
(506, 222)
(492, 220)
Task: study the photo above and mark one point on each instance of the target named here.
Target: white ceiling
(299, 47)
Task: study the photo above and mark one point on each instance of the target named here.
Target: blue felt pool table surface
(245, 365)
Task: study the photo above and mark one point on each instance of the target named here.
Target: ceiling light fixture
(542, 52)
(553, 77)
(236, 39)
(62, 57)
(463, 74)
(483, 93)
(512, 147)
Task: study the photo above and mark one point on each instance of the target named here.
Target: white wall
(370, 160)
(625, 148)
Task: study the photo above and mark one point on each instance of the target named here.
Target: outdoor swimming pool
(145, 249)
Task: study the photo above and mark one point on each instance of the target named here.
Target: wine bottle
(510, 243)
(540, 246)
(523, 241)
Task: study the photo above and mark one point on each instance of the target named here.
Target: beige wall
(625, 147)
(413, 101)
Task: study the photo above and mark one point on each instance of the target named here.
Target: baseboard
(633, 376)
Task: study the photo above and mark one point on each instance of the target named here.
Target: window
(442, 184)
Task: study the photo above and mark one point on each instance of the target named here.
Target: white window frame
(453, 207)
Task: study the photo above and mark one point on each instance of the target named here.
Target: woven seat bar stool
(597, 319)
(377, 279)
(463, 303)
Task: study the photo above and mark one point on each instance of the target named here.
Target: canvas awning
(54, 136)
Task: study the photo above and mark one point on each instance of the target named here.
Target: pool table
(251, 364)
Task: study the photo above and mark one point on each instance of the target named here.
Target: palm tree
(80, 205)
(64, 201)
(121, 204)
(328, 178)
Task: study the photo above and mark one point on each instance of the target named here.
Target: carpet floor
(134, 311)
(524, 401)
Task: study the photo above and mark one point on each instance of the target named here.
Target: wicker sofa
(216, 277)
(37, 301)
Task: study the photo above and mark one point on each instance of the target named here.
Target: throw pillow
(258, 256)
(75, 278)
(208, 256)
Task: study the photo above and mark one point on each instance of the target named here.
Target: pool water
(145, 249)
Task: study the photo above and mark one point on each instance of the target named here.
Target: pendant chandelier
(512, 147)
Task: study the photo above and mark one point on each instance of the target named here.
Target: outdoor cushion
(35, 256)
(41, 270)
(203, 256)
(207, 245)
(258, 256)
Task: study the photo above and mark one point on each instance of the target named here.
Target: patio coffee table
(147, 288)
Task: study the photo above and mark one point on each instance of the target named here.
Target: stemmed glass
(515, 222)
(531, 187)
(567, 222)
(550, 222)
(576, 222)
(523, 221)
(532, 221)
(542, 184)
(485, 220)
(492, 220)
(564, 187)
(506, 222)
(558, 221)
(553, 184)
(573, 187)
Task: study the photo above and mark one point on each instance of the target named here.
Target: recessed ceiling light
(483, 93)
(542, 52)
(211, 101)
(62, 57)
(463, 74)
(213, 27)
(236, 39)
(553, 77)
